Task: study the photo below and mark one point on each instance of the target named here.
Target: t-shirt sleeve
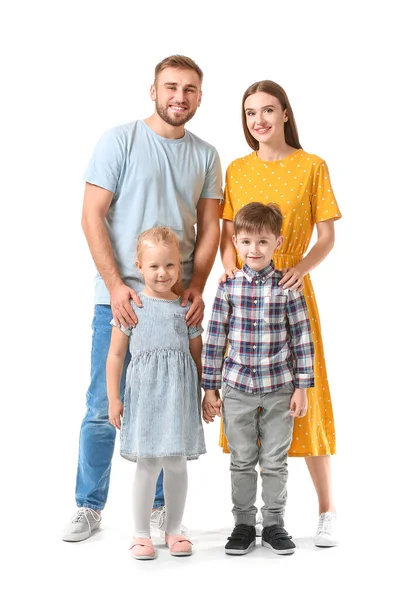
(122, 328)
(227, 211)
(105, 166)
(194, 332)
(213, 184)
(323, 201)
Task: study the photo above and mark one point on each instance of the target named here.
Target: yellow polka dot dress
(300, 185)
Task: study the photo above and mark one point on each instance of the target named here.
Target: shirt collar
(264, 274)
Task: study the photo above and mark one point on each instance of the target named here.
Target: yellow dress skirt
(300, 185)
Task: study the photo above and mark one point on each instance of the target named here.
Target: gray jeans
(244, 425)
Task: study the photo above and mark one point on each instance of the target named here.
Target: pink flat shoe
(179, 545)
(142, 549)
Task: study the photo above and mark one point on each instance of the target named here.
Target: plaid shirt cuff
(302, 380)
(211, 379)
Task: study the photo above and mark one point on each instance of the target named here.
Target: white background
(71, 71)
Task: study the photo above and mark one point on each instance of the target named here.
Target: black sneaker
(277, 539)
(242, 539)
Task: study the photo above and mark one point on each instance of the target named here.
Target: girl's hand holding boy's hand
(298, 403)
(116, 410)
(211, 405)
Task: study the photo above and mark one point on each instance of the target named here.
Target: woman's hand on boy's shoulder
(292, 279)
(228, 273)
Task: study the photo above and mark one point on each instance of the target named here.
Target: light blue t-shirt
(155, 181)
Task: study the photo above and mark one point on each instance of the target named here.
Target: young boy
(269, 365)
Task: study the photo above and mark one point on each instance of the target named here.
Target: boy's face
(256, 249)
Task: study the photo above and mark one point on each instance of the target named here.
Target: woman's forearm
(227, 249)
(320, 250)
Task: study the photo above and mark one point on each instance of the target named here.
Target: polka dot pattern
(300, 185)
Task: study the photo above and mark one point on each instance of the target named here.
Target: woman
(280, 171)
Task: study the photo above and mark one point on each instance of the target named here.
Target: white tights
(175, 492)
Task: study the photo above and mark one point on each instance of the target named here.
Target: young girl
(279, 170)
(161, 425)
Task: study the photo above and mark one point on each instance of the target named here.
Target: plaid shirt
(266, 330)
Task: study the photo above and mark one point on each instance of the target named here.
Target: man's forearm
(205, 254)
(102, 252)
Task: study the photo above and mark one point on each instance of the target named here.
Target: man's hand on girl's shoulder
(195, 315)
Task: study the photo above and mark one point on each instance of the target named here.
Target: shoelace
(241, 532)
(275, 532)
(161, 517)
(83, 514)
(324, 524)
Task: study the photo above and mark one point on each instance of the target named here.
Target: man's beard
(178, 120)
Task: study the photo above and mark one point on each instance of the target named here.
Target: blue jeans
(97, 435)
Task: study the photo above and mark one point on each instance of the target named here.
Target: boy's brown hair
(178, 61)
(256, 216)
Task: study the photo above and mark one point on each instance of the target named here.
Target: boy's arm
(301, 339)
(216, 340)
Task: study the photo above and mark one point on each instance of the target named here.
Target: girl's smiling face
(160, 267)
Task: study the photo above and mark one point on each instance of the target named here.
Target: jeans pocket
(227, 391)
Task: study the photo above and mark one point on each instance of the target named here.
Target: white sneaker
(259, 525)
(83, 524)
(159, 521)
(326, 535)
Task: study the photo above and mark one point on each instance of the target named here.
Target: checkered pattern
(266, 330)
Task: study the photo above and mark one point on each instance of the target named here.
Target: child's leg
(175, 491)
(275, 427)
(240, 418)
(146, 475)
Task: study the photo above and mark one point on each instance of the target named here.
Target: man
(142, 174)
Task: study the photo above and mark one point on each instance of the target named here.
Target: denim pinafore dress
(162, 402)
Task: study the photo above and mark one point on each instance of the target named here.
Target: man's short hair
(177, 61)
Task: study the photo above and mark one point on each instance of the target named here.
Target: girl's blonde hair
(159, 235)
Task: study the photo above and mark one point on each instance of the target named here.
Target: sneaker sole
(238, 552)
(325, 543)
(287, 551)
(78, 537)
